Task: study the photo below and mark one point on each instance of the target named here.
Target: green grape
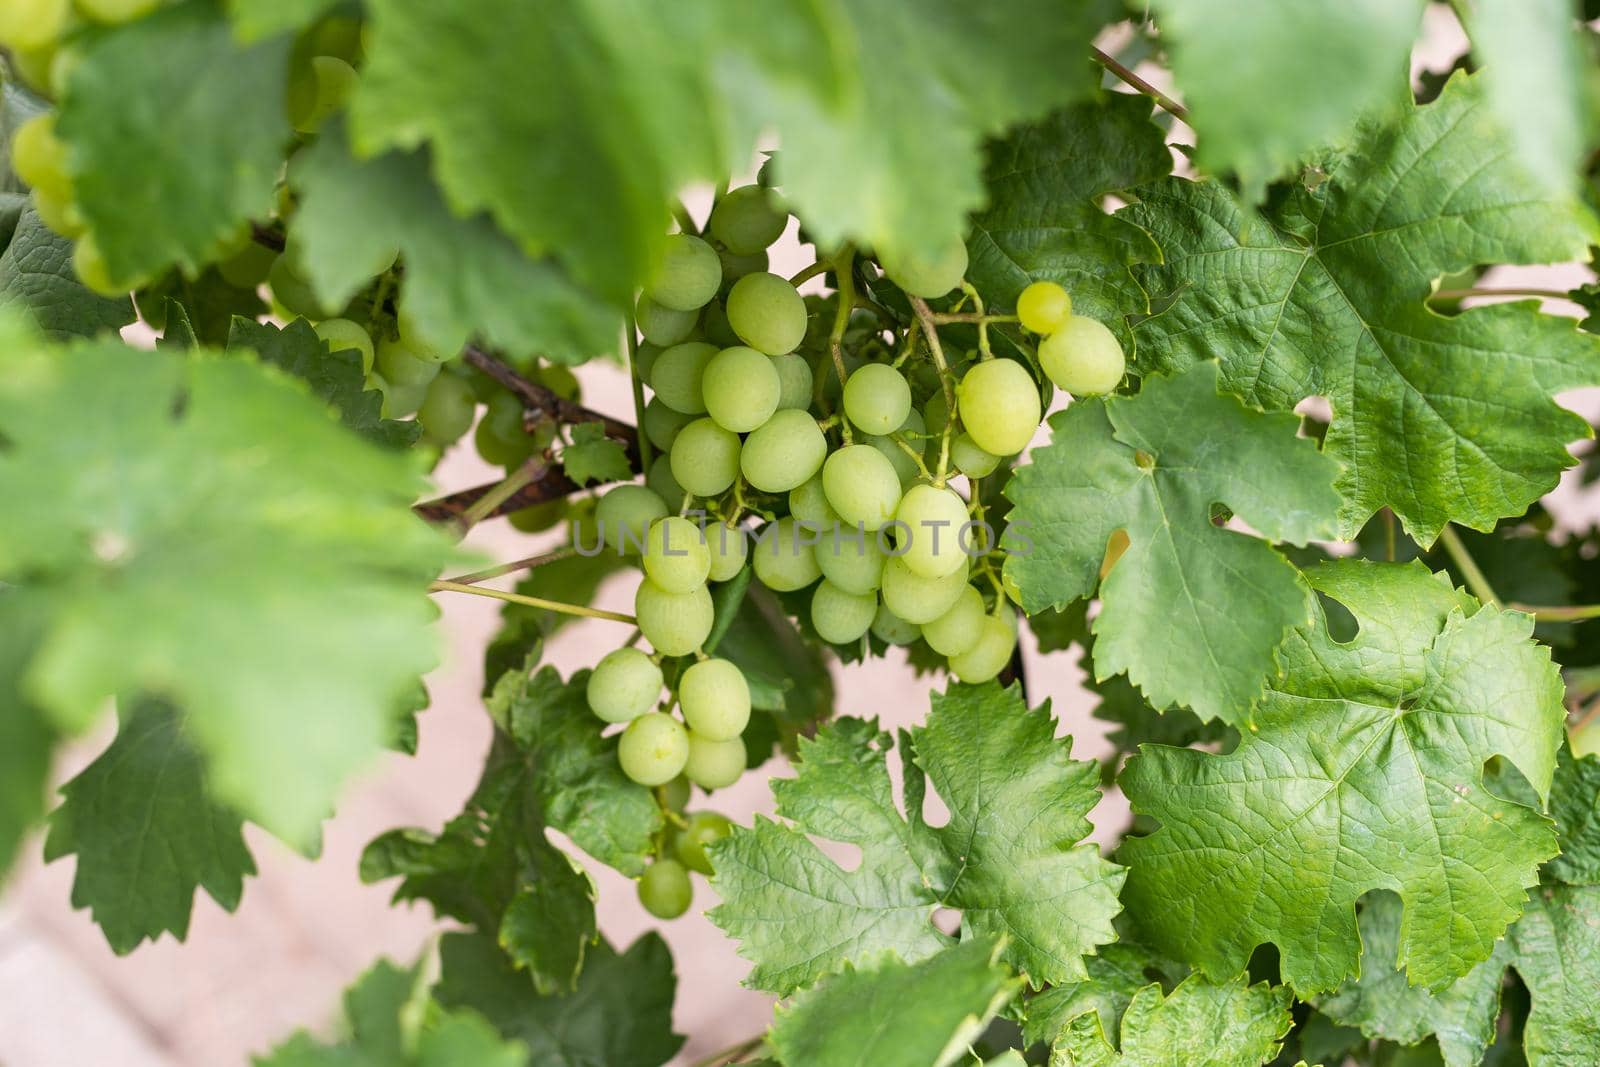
(840, 617)
(39, 157)
(663, 326)
(825, 371)
(1083, 357)
(400, 363)
(447, 409)
(653, 749)
(33, 67)
(714, 325)
(745, 220)
(740, 387)
(399, 400)
(735, 267)
(112, 12)
(904, 462)
(500, 437)
(989, 655)
(292, 290)
(784, 557)
(29, 25)
(675, 794)
(715, 699)
(343, 335)
(90, 267)
(999, 405)
(851, 560)
(701, 830)
(794, 381)
(705, 458)
(1043, 307)
(714, 764)
(318, 88)
(675, 624)
(877, 398)
(624, 685)
(728, 549)
(662, 424)
(645, 358)
(808, 502)
(958, 629)
(677, 376)
(675, 557)
(917, 599)
(927, 276)
(935, 413)
(63, 63)
(62, 216)
(247, 268)
(535, 518)
(891, 629)
(336, 35)
(971, 460)
(660, 481)
(688, 275)
(935, 518)
(767, 313)
(862, 486)
(1585, 741)
(625, 515)
(664, 889)
(783, 452)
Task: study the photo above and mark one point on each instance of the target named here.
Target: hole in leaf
(1342, 626)
(947, 920)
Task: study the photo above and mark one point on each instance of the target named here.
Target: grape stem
(982, 320)
(731, 1054)
(1462, 294)
(1558, 613)
(947, 318)
(543, 403)
(685, 220)
(631, 353)
(920, 308)
(1128, 77)
(1469, 567)
(842, 268)
(915, 455)
(525, 474)
(821, 266)
(532, 602)
(527, 564)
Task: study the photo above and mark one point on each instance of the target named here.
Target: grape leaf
(458, 271)
(895, 1014)
(1381, 1002)
(620, 1013)
(336, 377)
(36, 277)
(1265, 81)
(787, 675)
(147, 832)
(195, 140)
(1441, 418)
(1575, 806)
(1200, 1024)
(27, 738)
(1115, 976)
(1363, 770)
(1044, 219)
(210, 304)
(1192, 611)
(594, 457)
(1556, 950)
(1007, 859)
(255, 19)
(207, 533)
(17, 106)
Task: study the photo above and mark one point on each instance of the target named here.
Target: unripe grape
(500, 437)
(664, 889)
(1585, 741)
(877, 398)
(343, 335)
(714, 764)
(675, 624)
(398, 400)
(728, 551)
(715, 699)
(767, 313)
(447, 409)
(317, 89)
(735, 266)
(794, 381)
(784, 556)
(840, 617)
(675, 557)
(677, 376)
(644, 358)
(891, 629)
(624, 685)
(935, 518)
(115, 11)
(90, 267)
(661, 325)
(675, 794)
(958, 629)
(30, 25)
(851, 560)
(705, 458)
(662, 424)
(1083, 357)
(784, 452)
(746, 221)
(660, 481)
(62, 216)
(989, 654)
(701, 830)
(971, 460)
(862, 486)
(999, 405)
(401, 365)
(917, 599)
(714, 325)
(927, 276)
(39, 157)
(741, 388)
(294, 292)
(903, 462)
(1043, 307)
(687, 276)
(624, 516)
(247, 268)
(536, 518)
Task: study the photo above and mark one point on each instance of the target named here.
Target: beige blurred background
(305, 929)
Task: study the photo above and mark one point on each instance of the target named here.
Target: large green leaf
(1575, 806)
(1192, 611)
(27, 737)
(1008, 859)
(1115, 976)
(199, 528)
(1201, 1024)
(1441, 418)
(176, 135)
(36, 278)
(1363, 770)
(895, 1014)
(1556, 950)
